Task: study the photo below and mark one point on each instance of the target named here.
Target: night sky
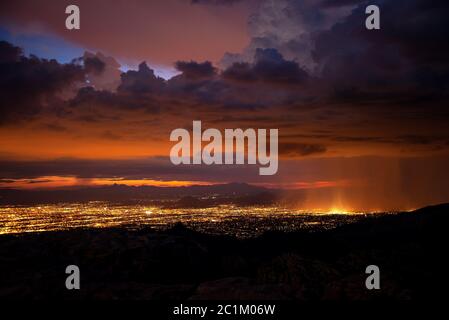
(363, 115)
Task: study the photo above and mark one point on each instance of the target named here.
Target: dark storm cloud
(29, 83)
(94, 64)
(137, 89)
(287, 26)
(403, 63)
(141, 81)
(103, 72)
(88, 95)
(269, 66)
(406, 58)
(195, 70)
(9, 53)
(91, 100)
(142, 89)
(30, 86)
(201, 83)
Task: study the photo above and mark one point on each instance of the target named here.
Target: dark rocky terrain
(178, 264)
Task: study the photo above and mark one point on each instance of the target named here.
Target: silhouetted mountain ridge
(124, 193)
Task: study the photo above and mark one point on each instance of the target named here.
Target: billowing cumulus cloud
(27, 84)
(410, 49)
(195, 70)
(288, 26)
(9, 53)
(268, 66)
(93, 64)
(141, 81)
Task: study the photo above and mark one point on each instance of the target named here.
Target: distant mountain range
(123, 193)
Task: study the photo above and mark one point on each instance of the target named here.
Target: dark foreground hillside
(409, 248)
